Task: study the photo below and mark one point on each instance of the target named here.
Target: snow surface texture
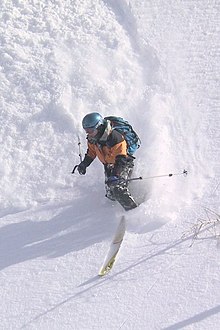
(155, 63)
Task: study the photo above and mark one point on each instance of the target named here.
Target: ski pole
(158, 176)
(80, 155)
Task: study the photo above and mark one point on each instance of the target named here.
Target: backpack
(123, 127)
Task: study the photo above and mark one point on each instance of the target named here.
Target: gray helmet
(92, 120)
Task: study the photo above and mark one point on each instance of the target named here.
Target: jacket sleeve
(91, 153)
(119, 150)
(87, 160)
(116, 142)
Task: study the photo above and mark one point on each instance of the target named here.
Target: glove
(84, 164)
(112, 180)
(81, 168)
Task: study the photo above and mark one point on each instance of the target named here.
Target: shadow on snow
(75, 228)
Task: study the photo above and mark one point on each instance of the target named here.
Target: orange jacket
(114, 146)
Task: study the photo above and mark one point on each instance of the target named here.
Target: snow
(155, 63)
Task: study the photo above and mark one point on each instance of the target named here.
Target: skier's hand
(112, 180)
(81, 168)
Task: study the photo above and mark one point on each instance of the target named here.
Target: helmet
(92, 120)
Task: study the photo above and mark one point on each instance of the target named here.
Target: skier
(111, 148)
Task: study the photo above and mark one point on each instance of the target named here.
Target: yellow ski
(114, 248)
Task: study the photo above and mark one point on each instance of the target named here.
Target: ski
(114, 248)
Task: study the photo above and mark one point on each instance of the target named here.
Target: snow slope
(155, 63)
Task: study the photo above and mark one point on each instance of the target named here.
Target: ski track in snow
(156, 64)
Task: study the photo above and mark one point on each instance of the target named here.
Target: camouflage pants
(120, 191)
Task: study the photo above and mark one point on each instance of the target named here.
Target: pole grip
(75, 167)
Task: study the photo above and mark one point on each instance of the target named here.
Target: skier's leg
(108, 189)
(121, 191)
(123, 196)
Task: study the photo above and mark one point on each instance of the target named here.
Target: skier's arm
(121, 158)
(117, 144)
(119, 149)
(88, 159)
(91, 153)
